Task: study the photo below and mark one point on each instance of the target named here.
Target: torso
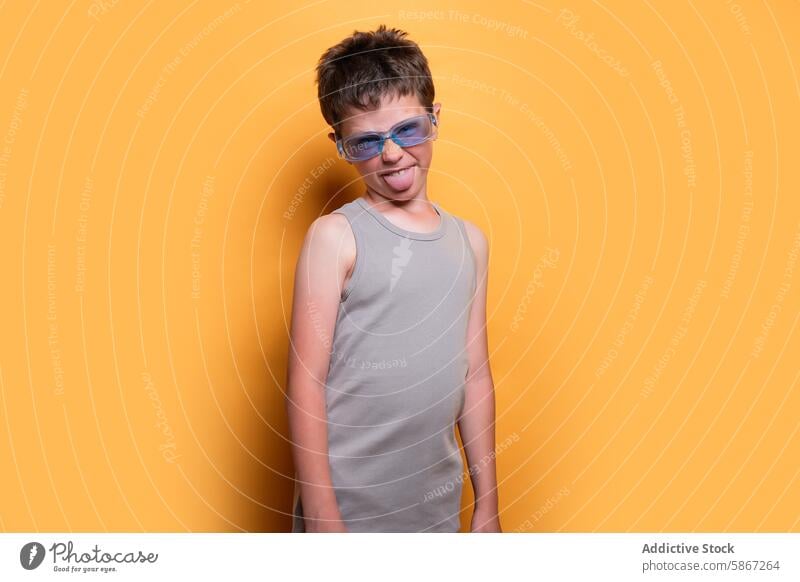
(396, 380)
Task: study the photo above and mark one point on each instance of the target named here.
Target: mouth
(399, 179)
(396, 172)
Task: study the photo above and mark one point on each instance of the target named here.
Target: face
(416, 159)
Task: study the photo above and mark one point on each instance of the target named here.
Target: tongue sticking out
(401, 181)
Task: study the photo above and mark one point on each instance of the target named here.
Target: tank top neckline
(431, 235)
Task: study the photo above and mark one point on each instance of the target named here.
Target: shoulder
(329, 228)
(330, 240)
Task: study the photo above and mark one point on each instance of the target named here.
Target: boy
(388, 336)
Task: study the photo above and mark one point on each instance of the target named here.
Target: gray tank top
(395, 384)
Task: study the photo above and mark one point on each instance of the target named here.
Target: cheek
(423, 153)
(369, 168)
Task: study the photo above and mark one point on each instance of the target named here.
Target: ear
(332, 137)
(437, 110)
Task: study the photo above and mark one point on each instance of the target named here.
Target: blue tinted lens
(362, 147)
(413, 132)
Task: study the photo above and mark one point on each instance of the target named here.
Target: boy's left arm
(476, 423)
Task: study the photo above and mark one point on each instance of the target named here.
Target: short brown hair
(365, 66)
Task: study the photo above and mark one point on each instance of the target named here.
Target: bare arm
(477, 423)
(324, 261)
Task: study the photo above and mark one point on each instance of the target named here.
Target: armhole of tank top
(471, 253)
(359, 260)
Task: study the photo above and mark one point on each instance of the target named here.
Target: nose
(391, 151)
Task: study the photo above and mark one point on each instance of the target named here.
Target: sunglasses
(409, 132)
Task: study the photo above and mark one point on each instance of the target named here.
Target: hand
(328, 525)
(485, 520)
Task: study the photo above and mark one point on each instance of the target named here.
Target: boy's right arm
(325, 259)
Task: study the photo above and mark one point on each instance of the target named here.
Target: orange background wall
(634, 165)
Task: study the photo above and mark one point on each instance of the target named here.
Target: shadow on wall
(318, 184)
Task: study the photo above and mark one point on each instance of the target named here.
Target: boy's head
(376, 82)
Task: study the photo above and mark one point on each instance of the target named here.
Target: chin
(404, 195)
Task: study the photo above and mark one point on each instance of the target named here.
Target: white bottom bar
(415, 557)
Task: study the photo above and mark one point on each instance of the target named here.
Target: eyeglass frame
(384, 135)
